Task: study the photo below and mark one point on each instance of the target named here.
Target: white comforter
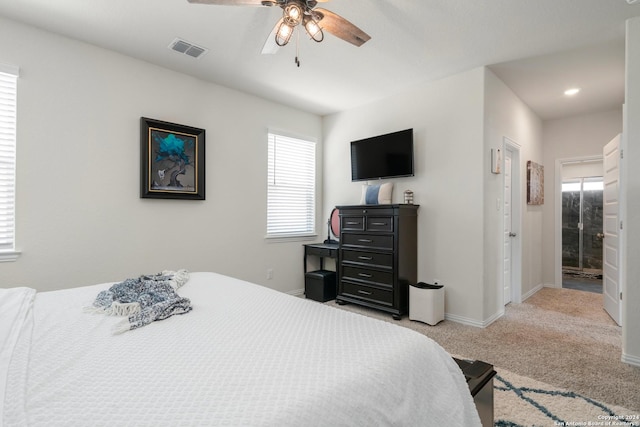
(245, 356)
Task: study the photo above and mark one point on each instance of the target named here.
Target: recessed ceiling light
(571, 92)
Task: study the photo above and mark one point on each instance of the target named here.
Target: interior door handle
(512, 234)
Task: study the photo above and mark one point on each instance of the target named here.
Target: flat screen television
(383, 156)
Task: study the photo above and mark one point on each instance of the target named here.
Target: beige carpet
(561, 337)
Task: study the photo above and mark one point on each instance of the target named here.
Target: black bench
(479, 377)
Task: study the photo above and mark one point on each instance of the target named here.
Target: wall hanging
(172, 160)
(496, 160)
(535, 183)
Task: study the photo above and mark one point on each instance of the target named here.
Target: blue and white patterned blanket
(144, 299)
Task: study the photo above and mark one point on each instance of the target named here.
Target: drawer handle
(360, 291)
(378, 223)
(365, 240)
(368, 276)
(365, 258)
(352, 223)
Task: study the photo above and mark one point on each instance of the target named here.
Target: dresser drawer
(352, 223)
(321, 251)
(384, 278)
(379, 223)
(367, 240)
(368, 293)
(364, 210)
(368, 258)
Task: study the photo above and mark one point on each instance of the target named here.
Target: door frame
(516, 222)
(558, 211)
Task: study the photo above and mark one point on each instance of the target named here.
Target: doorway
(580, 221)
(512, 221)
(582, 232)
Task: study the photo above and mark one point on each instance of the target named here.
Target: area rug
(523, 402)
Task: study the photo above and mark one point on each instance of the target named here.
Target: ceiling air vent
(187, 48)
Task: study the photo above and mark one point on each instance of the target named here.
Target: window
(584, 184)
(291, 189)
(8, 107)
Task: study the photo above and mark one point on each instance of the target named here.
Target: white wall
(456, 121)
(631, 190)
(569, 138)
(79, 216)
(507, 116)
(446, 116)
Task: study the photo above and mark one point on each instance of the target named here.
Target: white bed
(245, 355)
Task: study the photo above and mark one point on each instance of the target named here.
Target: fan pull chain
(297, 60)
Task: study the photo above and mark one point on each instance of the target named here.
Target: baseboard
(473, 322)
(552, 285)
(631, 360)
(532, 292)
(464, 320)
(493, 318)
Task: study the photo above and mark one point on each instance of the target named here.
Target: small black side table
(322, 250)
(320, 285)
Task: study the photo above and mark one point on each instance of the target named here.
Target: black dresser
(377, 256)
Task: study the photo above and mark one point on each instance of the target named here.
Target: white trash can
(426, 303)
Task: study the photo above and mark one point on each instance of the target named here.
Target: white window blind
(8, 109)
(291, 190)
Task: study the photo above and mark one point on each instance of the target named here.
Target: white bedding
(245, 355)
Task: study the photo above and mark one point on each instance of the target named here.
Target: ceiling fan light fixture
(293, 14)
(313, 29)
(283, 35)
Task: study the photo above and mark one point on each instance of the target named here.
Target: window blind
(291, 189)
(8, 110)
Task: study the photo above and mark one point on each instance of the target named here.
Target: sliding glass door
(582, 225)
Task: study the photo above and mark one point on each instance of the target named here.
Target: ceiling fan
(301, 12)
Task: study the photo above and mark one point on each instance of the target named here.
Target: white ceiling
(537, 47)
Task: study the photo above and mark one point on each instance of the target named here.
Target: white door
(508, 226)
(611, 225)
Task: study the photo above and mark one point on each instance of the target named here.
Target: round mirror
(333, 227)
(334, 223)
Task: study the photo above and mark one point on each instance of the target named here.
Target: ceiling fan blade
(340, 27)
(270, 45)
(231, 2)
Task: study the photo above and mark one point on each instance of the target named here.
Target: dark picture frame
(172, 160)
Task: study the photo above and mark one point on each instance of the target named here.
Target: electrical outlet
(269, 273)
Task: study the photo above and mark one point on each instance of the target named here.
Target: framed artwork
(172, 160)
(535, 183)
